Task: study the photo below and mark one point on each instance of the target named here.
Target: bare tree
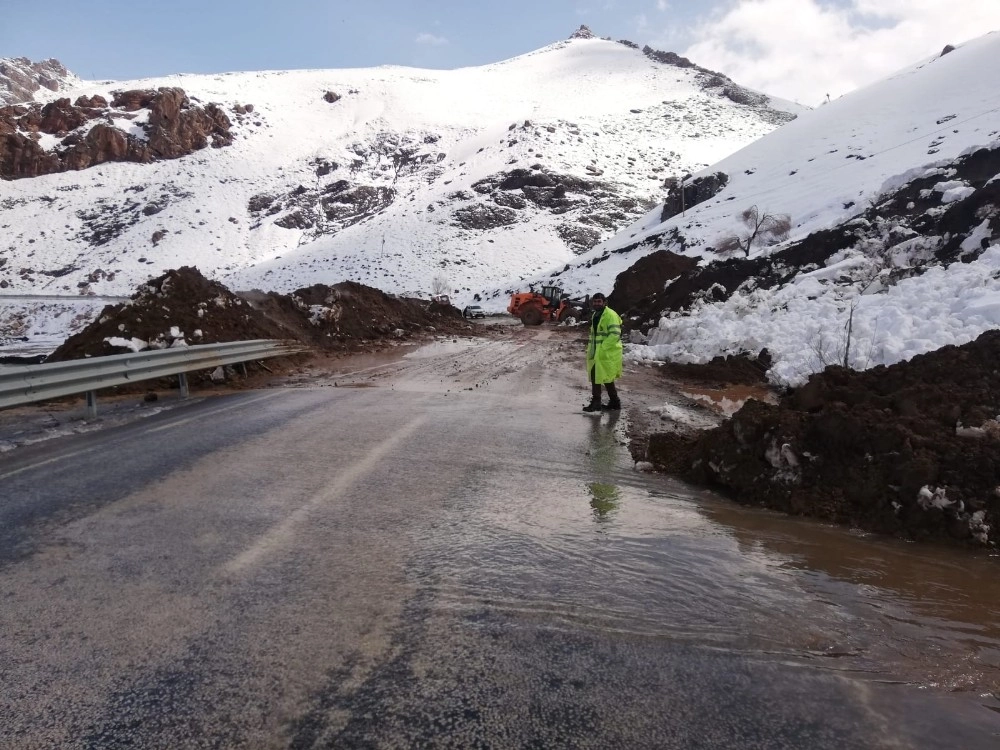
(729, 245)
(761, 228)
(440, 285)
(875, 270)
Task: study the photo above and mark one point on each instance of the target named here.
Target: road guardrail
(25, 384)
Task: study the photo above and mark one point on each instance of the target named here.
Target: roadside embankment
(911, 450)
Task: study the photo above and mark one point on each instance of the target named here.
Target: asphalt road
(434, 552)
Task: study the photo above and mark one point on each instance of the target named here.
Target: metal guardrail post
(182, 383)
(92, 404)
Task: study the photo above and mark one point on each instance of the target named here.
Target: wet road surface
(441, 551)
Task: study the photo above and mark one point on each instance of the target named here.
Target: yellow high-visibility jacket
(604, 350)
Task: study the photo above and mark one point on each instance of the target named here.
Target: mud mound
(179, 307)
(183, 307)
(911, 450)
(647, 278)
(351, 312)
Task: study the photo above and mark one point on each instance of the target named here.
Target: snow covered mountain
(20, 78)
(393, 177)
(893, 197)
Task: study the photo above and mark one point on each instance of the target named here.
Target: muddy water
(896, 610)
(594, 544)
(672, 563)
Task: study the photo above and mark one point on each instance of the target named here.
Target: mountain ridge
(318, 183)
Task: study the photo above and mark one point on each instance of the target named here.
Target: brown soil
(182, 306)
(640, 284)
(911, 450)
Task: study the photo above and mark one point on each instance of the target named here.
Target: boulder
(60, 117)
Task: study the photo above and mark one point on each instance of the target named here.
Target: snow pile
(804, 325)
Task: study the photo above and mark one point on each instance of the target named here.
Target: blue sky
(123, 39)
(796, 49)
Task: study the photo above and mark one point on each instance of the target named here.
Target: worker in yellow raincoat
(604, 355)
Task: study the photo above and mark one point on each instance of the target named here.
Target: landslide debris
(911, 450)
(182, 307)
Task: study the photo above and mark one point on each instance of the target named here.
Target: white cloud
(662, 5)
(805, 49)
(431, 40)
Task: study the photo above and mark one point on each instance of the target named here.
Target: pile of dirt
(183, 307)
(179, 307)
(911, 450)
(347, 314)
(646, 279)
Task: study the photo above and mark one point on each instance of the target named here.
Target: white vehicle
(473, 311)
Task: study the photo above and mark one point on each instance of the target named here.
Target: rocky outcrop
(721, 85)
(577, 237)
(482, 216)
(20, 78)
(671, 58)
(596, 207)
(695, 191)
(173, 128)
(102, 143)
(323, 212)
(176, 128)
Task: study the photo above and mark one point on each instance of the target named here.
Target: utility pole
(683, 207)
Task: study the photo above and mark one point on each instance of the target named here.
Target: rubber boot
(613, 403)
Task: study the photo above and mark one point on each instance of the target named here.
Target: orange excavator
(534, 308)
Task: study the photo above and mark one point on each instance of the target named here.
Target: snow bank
(804, 325)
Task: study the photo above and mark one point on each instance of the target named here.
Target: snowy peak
(583, 32)
(20, 78)
(392, 177)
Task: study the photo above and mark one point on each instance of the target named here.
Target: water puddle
(602, 547)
